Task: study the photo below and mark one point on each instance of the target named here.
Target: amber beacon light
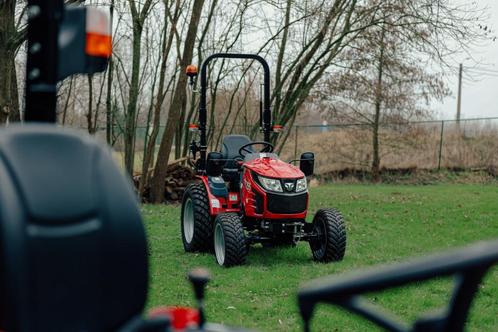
(98, 34)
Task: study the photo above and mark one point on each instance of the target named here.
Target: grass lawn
(385, 224)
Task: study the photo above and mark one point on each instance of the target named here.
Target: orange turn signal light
(98, 45)
(278, 128)
(193, 127)
(98, 33)
(191, 70)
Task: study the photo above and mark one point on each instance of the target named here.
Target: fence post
(440, 146)
(295, 142)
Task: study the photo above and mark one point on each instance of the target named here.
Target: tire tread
(235, 240)
(202, 240)
(335, 233)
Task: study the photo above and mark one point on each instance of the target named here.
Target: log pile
(177, 179)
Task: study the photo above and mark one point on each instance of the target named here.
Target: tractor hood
(274, 168)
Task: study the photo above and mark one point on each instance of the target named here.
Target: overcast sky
(479, 99)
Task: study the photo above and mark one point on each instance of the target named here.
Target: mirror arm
(192, 85)
(194, 148)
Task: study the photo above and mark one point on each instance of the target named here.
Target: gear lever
(199, 278)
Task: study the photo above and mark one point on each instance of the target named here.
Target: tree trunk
(281, 54)
(131, 111)
(157, 183)
(378, 103)
(9, 103)
(375, 145)
(109, 121)
(138, 20)
(89, 115)
(161, 95)
(68, 98)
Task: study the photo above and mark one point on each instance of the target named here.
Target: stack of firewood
(177, 180)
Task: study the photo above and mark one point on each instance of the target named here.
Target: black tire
(197, 231)
(330, 245)
(230, 245)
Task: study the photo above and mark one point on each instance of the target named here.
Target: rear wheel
(196, 224)
(330, 241)
(230, 245)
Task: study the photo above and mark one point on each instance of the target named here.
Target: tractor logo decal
(289, 186)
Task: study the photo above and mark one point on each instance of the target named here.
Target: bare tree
(389, 73)
(109, 124)
(10, 41)
(138, 17)
(177, 106)
(172, 11)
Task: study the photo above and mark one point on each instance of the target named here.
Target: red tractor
(248, 195)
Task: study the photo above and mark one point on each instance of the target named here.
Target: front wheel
(229, 240)
(329, 243)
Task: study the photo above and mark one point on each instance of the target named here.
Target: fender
(219, 205)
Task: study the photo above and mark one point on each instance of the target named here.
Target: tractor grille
(287, 204)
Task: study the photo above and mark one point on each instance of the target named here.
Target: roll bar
(266, 116)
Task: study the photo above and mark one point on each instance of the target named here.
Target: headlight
(301, 185)
(270, 184)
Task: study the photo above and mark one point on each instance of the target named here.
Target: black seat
(73, 253)
(232, 145)
(230, 150)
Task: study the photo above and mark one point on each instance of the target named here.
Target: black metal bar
(261, 86)
(453, 262)
(463, 295)
(44, 17)
(266, 121)
(472, 263)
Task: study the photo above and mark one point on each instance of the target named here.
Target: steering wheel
(268, 147)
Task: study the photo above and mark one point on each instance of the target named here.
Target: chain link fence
(465, 144)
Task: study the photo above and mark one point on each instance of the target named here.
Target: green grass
(385, 224)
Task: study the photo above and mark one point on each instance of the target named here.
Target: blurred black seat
(73, 252)
(232, 145)
(230, 150)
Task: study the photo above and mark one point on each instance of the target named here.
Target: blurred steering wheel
(244, 149)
